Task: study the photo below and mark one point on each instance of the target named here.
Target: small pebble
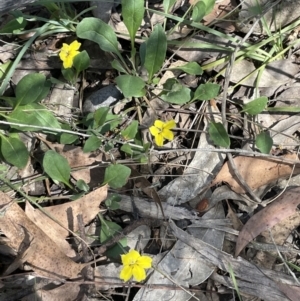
(104, 97)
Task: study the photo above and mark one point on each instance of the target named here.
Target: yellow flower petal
(138, 273)
(65, 47)
(145, 262)
(62, 55)
(134, 255)
(167, 134)
(125, 259)
(68, 52)
(159, 124)
(154, 130)
(68, 62)
(159, 140)
(126, 273)
(170, 125)
(75, 45)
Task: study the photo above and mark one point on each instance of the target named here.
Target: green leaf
(112, 201)
(15, 24)
(33, 114)
(100, 116)
(199, 11)
(82, 185)
(127, 149)
(32, 88)
(66, 138)
(218, 134)
(175, 93)
(57, 167)
(4, 69)
(168, 4)
(14, 151)
(91, 144)
(209, 4)
(156, 48)
(96, 30)
(264, 142)
(108, 230)
(118, 66)
(81, 61)
(69, 74)
(130, 132)
(131, 86)
(255, 106)
(190, 68)
(133, 13)
(116, 175)
(206, 91)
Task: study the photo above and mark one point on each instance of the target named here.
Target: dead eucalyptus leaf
(42, 255)
(66, 215)
(283, 207)
(256, 172)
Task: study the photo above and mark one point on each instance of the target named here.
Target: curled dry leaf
(282, 208)
(42, 255)
(256, 172)
(66, 215)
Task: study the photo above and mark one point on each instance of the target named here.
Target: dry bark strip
(279, 210)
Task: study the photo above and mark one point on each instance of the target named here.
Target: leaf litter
(185, 180)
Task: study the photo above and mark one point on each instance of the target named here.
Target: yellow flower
(135, 265)
(161, 131)
(68, 52)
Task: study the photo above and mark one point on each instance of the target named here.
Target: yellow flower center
(132, 262)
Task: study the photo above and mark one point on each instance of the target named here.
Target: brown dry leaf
(277, 235)
(292, 292)
(220, 10)
(43, 255)
(255, 171)
(283, 207)
(66, 215)
(77, 158)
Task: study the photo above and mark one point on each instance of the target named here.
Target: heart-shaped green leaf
(255, 106)
(206, 91)
(218, 134)
(264, 142)
(131, 86)
(130, 131)
(81, 61)
(116, 175)
(174, 92)
(91, 144)
(57, 167)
